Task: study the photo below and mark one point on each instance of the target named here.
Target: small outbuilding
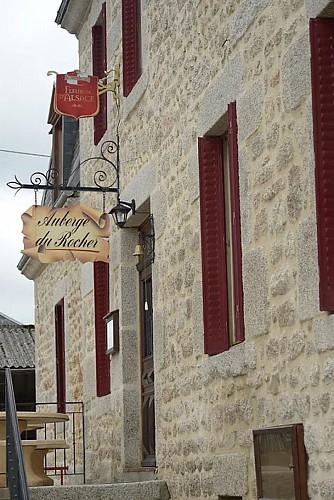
(17, 352)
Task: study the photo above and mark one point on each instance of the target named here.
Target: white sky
(30, 44)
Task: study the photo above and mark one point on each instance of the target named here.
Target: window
(60, 356)
(131, 43)
(57, 153)
(64, 154)
(99, 67)
(280, 462)
(56, 164)
(101, 306)
(112, 340)
(221, 239)
(322, 73)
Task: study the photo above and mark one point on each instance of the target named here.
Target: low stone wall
(152, 490)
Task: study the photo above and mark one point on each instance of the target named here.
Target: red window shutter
(101, 305)
(130, 44)
(99, 68)
(214, 278)
(322, 74)
(236, 229)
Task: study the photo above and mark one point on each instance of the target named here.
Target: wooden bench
(34, 452)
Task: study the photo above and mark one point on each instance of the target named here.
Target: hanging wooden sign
(77, 232)
(76, 95)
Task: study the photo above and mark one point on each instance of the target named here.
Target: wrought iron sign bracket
(57, 187)
(104, 181)
(111, 86)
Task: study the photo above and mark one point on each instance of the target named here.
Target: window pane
(276, 465)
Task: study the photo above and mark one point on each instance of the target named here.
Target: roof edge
(12, 321)
(71, 15)
(61, 11)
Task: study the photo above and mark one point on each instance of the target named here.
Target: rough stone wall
(56, 282)
(198, 56)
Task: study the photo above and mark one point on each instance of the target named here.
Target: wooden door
(147, 378)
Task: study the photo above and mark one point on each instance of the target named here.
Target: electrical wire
(22, 153)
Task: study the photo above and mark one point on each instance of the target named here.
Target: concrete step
(4, 494)
(144, 490)
(138, 474)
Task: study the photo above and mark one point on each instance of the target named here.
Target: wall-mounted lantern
(121, 211)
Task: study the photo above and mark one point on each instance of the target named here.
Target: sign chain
(104, 202)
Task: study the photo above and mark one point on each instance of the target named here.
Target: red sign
(76, 95)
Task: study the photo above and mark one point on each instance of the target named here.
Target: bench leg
(3, 472)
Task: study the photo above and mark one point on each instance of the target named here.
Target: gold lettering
(72, 90)
(77, 98)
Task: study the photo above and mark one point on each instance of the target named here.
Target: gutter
(22, 262)
(62, 11)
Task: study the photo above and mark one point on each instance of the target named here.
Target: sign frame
(76, 95)
(112, 331)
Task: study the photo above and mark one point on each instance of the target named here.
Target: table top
(38, 417)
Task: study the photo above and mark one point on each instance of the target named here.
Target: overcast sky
(30, 44)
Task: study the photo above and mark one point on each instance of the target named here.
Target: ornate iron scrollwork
(105, 181)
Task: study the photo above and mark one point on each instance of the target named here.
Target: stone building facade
(196, 58)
